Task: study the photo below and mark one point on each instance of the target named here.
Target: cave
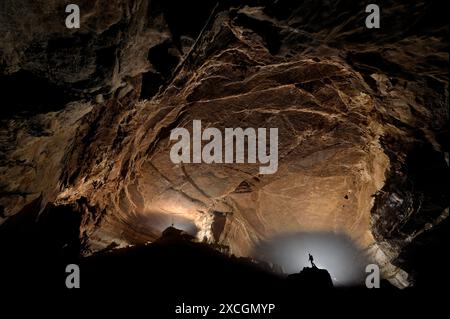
(361, 118)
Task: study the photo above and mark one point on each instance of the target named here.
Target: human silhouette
(311, 260)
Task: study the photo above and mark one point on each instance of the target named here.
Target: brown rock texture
(360, 114)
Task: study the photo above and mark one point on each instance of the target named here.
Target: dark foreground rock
(311, 278)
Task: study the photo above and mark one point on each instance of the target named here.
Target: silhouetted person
(311, 260)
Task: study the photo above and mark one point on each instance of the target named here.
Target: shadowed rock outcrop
(311, 278)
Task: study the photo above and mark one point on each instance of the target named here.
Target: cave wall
(362, 117)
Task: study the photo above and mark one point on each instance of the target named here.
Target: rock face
(311, 277)
(95, 58)
(361, 116)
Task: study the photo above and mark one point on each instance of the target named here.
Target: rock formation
(311, 278)
(362, 116)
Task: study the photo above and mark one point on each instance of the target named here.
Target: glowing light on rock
(337, 253)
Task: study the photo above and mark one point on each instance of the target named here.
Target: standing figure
(311, 260)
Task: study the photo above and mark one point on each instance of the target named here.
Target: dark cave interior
(363, 171)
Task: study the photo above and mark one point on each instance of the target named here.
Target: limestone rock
(361, 115)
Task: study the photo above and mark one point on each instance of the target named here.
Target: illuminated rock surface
(361, 115)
